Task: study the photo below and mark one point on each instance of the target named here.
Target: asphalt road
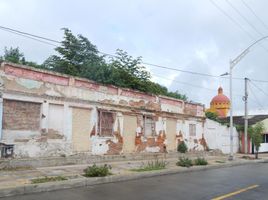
(242, 182)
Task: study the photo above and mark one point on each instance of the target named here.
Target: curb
(83, 181)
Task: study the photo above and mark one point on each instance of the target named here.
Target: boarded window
(21, 115)
(149, 126)
(106, 123)
(192, 129)
(55, 119)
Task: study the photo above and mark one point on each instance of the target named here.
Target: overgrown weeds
(152, 165)
(187, 162)
(200, 161)
(98, 171)
(48, 179)
(184, 162)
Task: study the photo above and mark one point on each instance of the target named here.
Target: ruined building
(45, 113)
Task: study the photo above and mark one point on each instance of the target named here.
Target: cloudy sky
(200, 36)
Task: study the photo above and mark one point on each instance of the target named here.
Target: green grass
(9, 168)
(151, 166)
(219, 161)
(48, 179)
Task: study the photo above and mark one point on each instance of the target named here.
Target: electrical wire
(232, 19)
(192, 85)
(260, 89)
(29, 34)
(29, 37)
(254, 13)
(255, 97)
(236, 23)
(44, 39)
(243, 17)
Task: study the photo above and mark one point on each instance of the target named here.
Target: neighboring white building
(218, 137)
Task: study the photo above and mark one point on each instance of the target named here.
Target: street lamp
(233, 63)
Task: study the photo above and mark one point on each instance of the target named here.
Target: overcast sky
(191, 35)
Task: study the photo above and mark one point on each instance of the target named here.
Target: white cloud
(190, 35)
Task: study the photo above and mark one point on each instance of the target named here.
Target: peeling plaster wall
(218, 137)
(197, 142)
(109, 144)
(58, 94)
(154, 143)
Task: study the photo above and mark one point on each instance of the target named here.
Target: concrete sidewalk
(15, 181)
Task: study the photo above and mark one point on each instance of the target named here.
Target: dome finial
(220, 90)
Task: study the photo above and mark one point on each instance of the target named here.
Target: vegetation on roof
(77, 56)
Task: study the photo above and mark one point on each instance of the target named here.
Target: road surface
(242, 182)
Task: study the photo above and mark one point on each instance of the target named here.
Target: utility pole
(245, 98)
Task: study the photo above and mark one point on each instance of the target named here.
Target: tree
(213, 116)
(255, 133)
(128, 72)
(15, 56)
(75, 56)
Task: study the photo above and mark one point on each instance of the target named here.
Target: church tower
(220, 104)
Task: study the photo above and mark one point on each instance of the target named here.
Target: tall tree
(128, 71)
(74, 55)
(79, 57)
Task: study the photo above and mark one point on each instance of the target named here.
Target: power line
(254, 13)
(29, 37)
(255, 97)
(185, 83)
(29, 34)
(192, 85)
(244, 18)
(44, 39)
(236, 23)
(232, 19)
(256, 86)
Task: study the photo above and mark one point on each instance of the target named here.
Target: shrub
(152, 165)
(97, 171)
(200, 161)
(182, 147)
(184, 162)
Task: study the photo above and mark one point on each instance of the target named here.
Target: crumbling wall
(21, 115)
(54, 131)
(194, 142)
(154, 143)
(112, 144)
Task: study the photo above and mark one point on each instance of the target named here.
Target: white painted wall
(218, 137)
(263, 147)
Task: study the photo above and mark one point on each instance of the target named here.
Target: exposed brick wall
(20, 115)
